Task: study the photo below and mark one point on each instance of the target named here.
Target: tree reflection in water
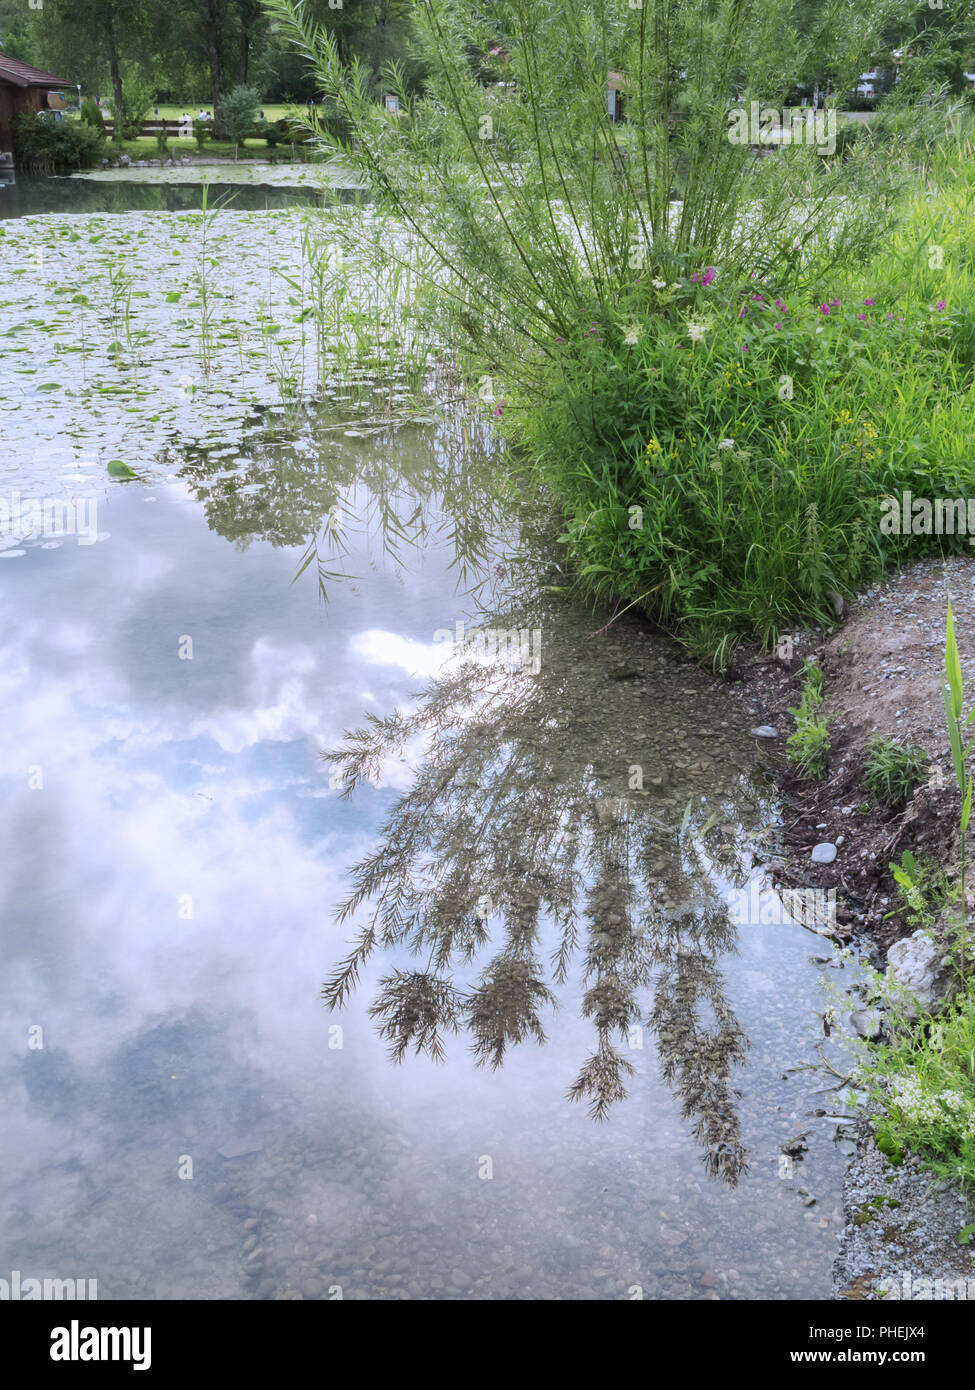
(304, 483)
(527, 837)
(527, 860)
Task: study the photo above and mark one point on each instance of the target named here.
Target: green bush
(202, 131)
(137, 101)
(694, 436)
(892, 770)
(922, 887)
(237, 111)
(856, 101)
(92, 116)
(54, 146)
(923, 1082)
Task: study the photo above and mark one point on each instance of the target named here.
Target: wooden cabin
(23, 88)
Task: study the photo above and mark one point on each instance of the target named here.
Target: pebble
(764, 731)
(865, 1025)
(824, 853)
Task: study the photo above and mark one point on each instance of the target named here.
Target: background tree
(238, 113)
(376, 32)
(16, 30)
(194, 51)
(95, 39)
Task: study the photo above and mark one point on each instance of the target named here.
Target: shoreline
(883, 669)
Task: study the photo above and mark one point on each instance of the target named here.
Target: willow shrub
(563, 249)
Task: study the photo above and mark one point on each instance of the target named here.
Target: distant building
(23, 89)
(867, 85)
(617, 84)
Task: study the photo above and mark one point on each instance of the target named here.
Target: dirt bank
(883, 668)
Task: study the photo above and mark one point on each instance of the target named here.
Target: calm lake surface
(183, 1116)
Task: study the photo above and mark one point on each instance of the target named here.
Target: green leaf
(953, 666)
(954, 734)
(966, 810)
(118, 469)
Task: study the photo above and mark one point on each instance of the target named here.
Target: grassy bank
(722, 459)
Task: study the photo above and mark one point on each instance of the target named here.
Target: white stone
(918, 965)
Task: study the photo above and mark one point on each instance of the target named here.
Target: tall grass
(544, 212)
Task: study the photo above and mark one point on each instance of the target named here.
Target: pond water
(183, 1116)
(29, 195)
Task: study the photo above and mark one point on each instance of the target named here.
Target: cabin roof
(19, 74)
